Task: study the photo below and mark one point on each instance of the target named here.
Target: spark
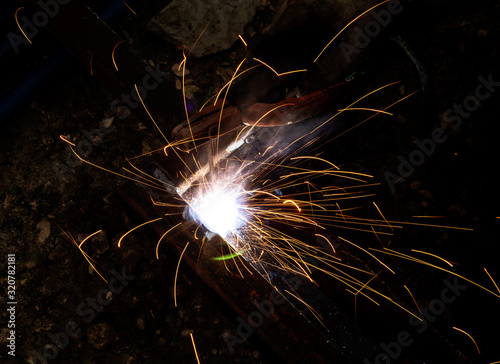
(149, 179)
(316, 158)
(354, 103)
(113, 53)
(158, 128)
(85, 255)
(165, 234)
(423, 262)
(194, 347)
(276, 72)
(224, 99)
(201, 34)
(227, 85)
(129, 8)
(414, 300)
(177, 272)
(268, 149)
(392, 222)
(243, 40)
(433, 255)
(135, 228)
(369, 118)
(367, 252)
(72, 145)
(328, 241)
(342, 214)
(183, 66)
(376, 235)
(346, 26)
(381, 214)
(489, 275)
(254, 124)
(65, 139)
(313, 311)
(366, 109)
(91, 61)
(474, 341)
(293, 203)
(21, 29)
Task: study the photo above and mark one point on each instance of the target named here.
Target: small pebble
(100, 335)
(416, 185)
(107, 122)
(43, 228)
(141, 324)
(482, 33)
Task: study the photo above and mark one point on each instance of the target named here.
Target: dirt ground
(41, 204)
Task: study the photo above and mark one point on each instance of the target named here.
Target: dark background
(141, 324)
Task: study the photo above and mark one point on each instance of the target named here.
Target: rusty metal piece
(216, 120)
(293, 110)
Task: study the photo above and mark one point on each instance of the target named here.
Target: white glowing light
(217, 209)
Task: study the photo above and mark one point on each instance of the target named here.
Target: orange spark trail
(276, 72)
(194, 347)
(177, 272)
(433, 255)
(129, 8)
(243, 40)
(474, 341)
(413, 298)
(161, 238)
(495, 283)
(138, 226)
(113, 53)
(345, 27)
(381, 214)
(21, 29)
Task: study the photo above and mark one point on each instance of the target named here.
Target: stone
(221, 21)
(100, 335)
(43, 228)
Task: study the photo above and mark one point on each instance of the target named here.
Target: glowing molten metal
(217, 209)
